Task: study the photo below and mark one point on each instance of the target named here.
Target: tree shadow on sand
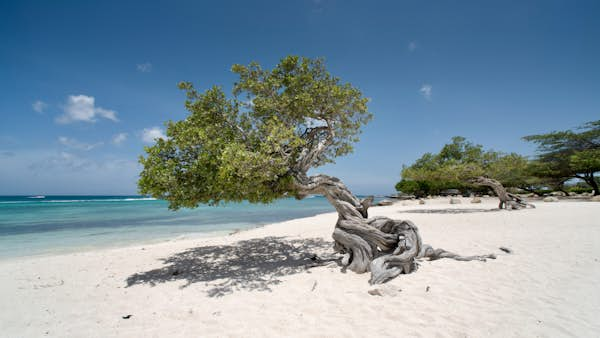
(254, 264)
(447, 211)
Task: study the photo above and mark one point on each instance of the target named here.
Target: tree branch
(314, 151)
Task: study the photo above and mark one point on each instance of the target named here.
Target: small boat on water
(37, 196)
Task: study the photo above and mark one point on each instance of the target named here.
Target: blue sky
(83, 83)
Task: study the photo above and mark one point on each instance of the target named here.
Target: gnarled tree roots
(386, 247)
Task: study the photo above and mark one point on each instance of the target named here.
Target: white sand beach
(256, 283)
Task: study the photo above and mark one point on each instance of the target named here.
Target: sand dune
(261, 283)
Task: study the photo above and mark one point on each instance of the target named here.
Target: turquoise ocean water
(31, 225)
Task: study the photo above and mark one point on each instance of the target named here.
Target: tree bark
(381, 245)
(507, 200)
(590, 179)
(592, 182)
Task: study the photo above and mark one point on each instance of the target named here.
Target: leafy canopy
(459, 161)
(569, 154)
(254, 144)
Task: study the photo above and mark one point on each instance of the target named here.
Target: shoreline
(260, 282)
(191, 236)
(89, 226)
(62, 251)
(195, 235)
(199, 235)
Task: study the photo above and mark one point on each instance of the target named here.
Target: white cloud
(144, 67)
(119, 138)
(63, 160)
(82, 108)
(149, 135)
(74, 144)
(52, 164)
(426, 90)
(45, 171)
(39, 106)
(412, 46)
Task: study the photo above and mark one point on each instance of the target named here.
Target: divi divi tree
(259, 143)
(568, 154)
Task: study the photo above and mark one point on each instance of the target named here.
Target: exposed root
(383, 246)
(387, 248)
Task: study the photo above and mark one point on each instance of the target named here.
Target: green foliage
(248, 146)
(417, 188)
(459, 161)
(567, 154)
(579, 189)
(587, 160)
(422, 188)
(514, 170)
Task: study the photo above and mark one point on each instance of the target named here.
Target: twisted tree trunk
(590, 179)
(507, 200)
(381, 245)
(594, 185)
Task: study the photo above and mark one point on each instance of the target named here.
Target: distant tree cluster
(566, 155)
(562, 156)
(460, 161)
